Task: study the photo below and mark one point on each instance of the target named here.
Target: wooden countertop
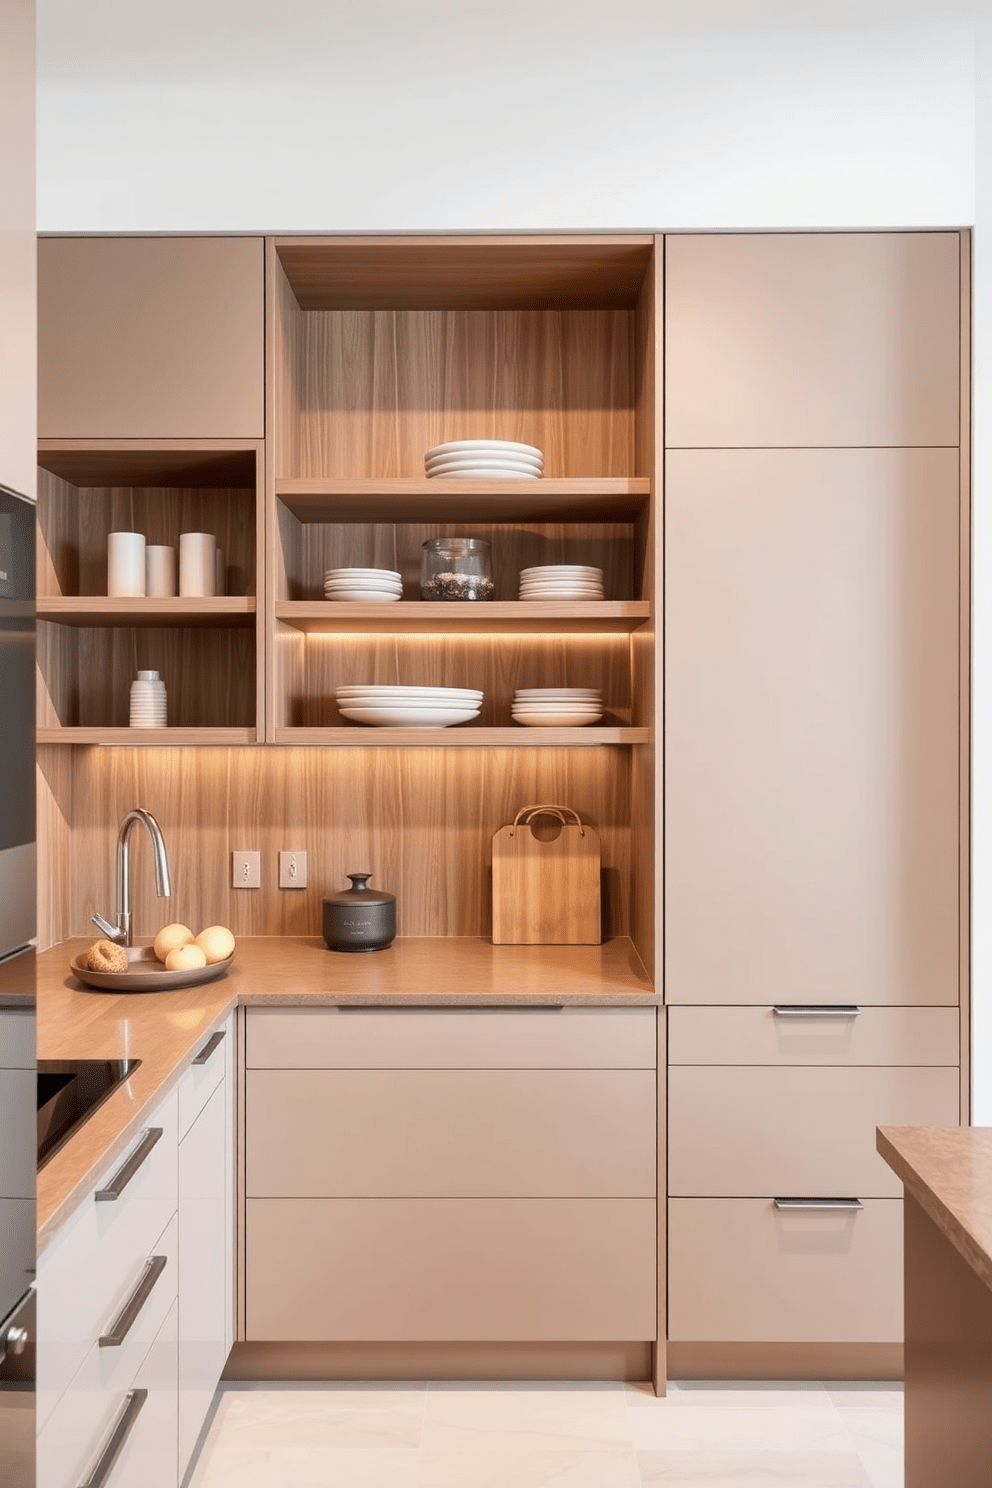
(164, 1030)
(948, 1170)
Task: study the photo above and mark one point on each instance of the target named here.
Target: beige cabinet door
(812, 713)
(158, 338)
(808, 339)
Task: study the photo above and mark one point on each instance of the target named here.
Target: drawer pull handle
(124, 1321)
(213, 1042)
(849, 1205)
(127, 1170)
(123, 1427)
(812, 1010)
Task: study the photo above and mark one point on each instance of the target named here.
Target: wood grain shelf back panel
(368, 392)
(421, 819)
(466, 273)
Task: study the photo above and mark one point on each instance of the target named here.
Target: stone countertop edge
(165, 1030)
(948, 1171)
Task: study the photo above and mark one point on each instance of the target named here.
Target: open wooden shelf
(166, 737)
(592, 736)
(93, 610)
(420, 499)
(507, 617)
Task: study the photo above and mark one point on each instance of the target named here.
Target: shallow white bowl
(495, 462)
(556, 720)
(564, 706)
(410, 717)
(538, 693)
(397, 689)
(363, 573)
(454, 446)
(551, 570)
(359, 587)
(483, 472)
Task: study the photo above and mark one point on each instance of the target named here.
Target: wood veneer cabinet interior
(206, 651)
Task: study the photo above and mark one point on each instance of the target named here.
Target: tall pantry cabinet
(816, 777)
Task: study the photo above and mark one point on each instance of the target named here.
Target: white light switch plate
(247, 870)
(292, 870)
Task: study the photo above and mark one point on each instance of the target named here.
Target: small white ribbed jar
(148, 701)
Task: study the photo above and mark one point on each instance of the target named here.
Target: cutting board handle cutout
(523, 817)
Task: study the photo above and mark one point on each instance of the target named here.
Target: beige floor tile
(868, 1392)
(491, 1468)
(753, 1470)
(874, 1428)
(806, 1395)
(306, 1467)
(885, 1469)
(528, 1418)
(333, 1416)
(740, 1429)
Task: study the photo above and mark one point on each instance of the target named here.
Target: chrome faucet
(122, 930)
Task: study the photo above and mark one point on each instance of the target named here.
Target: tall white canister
(197, 564)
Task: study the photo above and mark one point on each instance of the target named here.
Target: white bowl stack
(485, 459)
(557, 707)
(561, 581)
(408, 707)
(363, 585)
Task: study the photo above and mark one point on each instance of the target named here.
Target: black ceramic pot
(359, 918)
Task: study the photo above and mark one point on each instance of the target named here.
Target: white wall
(476, 115)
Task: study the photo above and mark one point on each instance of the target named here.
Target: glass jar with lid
(455, 568)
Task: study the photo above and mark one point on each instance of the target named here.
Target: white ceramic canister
(197, 564)
(160, 572)
(148, 701)
(125, 565)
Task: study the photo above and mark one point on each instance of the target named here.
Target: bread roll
(185, 958)
(103, 955)
(169, 937)
(216, 943)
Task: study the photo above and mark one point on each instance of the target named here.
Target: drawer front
(91, 1267)
(205, 1267)
(758, 1035)
(77, 1428)
(451, 1269)
(451, 1133)
(199, 1082)
(740, 1270)
(737, 1132)
(451, 1038)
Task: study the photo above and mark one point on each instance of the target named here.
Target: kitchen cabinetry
(107, 1288)
(206, 1231)
(90, 647)
(150, 338)
(455, 1198)
(816, 863)
(18, 274)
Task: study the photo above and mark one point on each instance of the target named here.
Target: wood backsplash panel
(497, 665)
(56, 879)
(421, 820)
(375, 389)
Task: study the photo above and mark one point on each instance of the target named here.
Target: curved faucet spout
(163, 884)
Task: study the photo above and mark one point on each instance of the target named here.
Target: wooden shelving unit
(419, 499)
(231, 610)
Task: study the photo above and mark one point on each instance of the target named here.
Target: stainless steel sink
(69, 1091)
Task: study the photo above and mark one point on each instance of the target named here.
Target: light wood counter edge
(108, 1025)
(931, 1161)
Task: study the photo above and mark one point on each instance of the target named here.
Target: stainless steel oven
(18, 1077)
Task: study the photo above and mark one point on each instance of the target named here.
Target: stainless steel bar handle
(815, 1010)
(123, 1427)
(126, 1172)
(850, 1205)
(125, 1319)
(213, 1042)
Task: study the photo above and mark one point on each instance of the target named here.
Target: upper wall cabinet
(159, 338)
(793, 340)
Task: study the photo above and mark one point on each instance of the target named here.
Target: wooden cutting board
(546, 886)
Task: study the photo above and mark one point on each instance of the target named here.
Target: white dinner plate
(569, 570)
(459, 462)
(362, 596)
(363, 573)
(397, 689)
(556, 720)
(455, 446)
(483, 472)
(410, 717)
(539, 693)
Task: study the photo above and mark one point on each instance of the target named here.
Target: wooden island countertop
(165, 1030)
(948, 1171)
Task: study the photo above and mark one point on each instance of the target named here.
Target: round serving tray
(147, 974)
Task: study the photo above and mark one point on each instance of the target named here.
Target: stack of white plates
(557, 707)
(363, 585)
(409, 707)
(487, 459)
(558, 581)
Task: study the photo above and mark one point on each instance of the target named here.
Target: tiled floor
(454, 1435)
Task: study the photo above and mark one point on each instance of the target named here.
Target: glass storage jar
(456, 568)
